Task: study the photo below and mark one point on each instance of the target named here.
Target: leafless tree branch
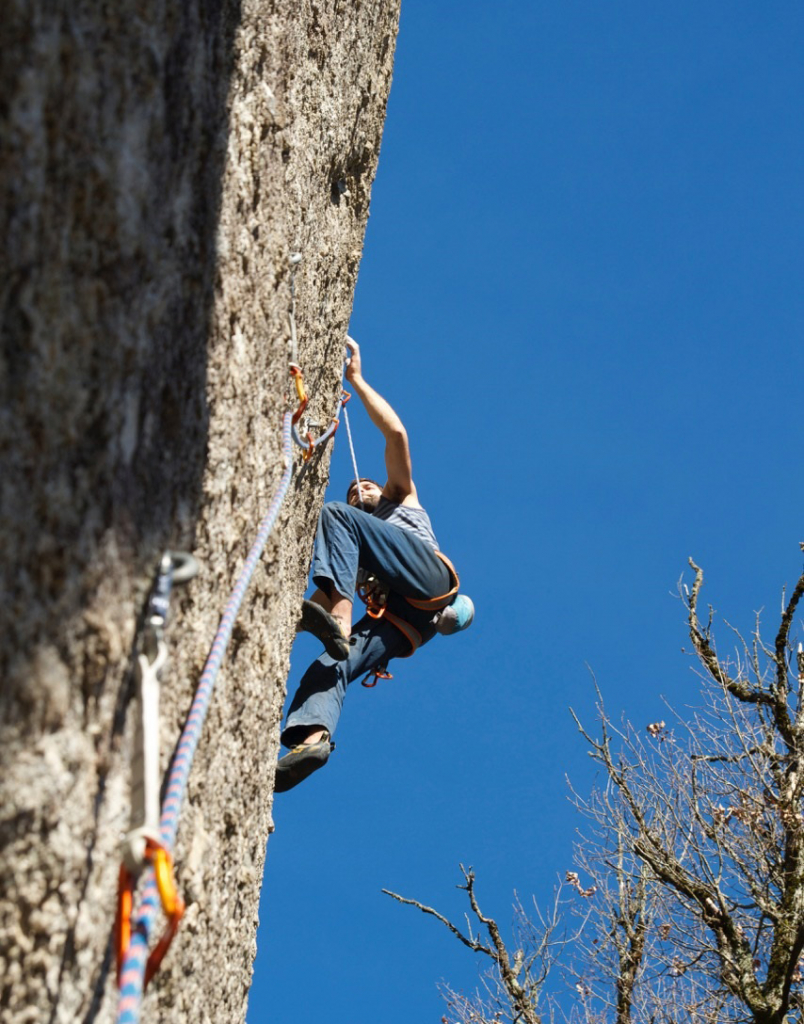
(472, 944)
(687, 887)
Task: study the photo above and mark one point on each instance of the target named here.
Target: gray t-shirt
(408, 517)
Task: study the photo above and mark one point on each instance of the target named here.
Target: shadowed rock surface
(160, 164)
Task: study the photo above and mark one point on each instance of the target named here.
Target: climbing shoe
(302, 761)
(314, 619)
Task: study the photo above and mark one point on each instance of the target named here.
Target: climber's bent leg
(319, 698)
(348, 538)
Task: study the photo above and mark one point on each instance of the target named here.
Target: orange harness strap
(380, 611)
(412, 634)
(435, 604)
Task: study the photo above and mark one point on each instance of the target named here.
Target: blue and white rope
(352, 452)
(132, 974)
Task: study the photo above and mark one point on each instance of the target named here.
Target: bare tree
(690, 875)
(513, 984)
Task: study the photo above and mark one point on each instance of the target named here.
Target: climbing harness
(411, 634)
(142, 844)
(134, 970)
(374, 595)
(435, 604)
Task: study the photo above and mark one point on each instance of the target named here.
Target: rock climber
(381, 539)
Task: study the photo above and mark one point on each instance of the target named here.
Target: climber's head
(370, 491)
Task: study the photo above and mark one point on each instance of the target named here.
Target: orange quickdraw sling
(172, 905)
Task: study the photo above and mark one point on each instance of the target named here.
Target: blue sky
(582, 291)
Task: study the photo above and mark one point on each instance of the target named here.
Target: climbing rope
(352, 448)
(148, 848)
(308, 444)
(352, 452)
(137, 967)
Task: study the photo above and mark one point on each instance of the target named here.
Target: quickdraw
(298, 380)
(308, 443)
(142, 845)
(156, 855)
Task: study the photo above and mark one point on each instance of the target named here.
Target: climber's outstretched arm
(400, 486)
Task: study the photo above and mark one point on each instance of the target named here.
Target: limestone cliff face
(161, 162)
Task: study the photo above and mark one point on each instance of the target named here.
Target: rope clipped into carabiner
(133, 974)
(352, 452)
(172, 904)
(148, 848)
(308, 444)
(142, 845)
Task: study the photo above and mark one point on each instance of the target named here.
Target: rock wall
(161, 162)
